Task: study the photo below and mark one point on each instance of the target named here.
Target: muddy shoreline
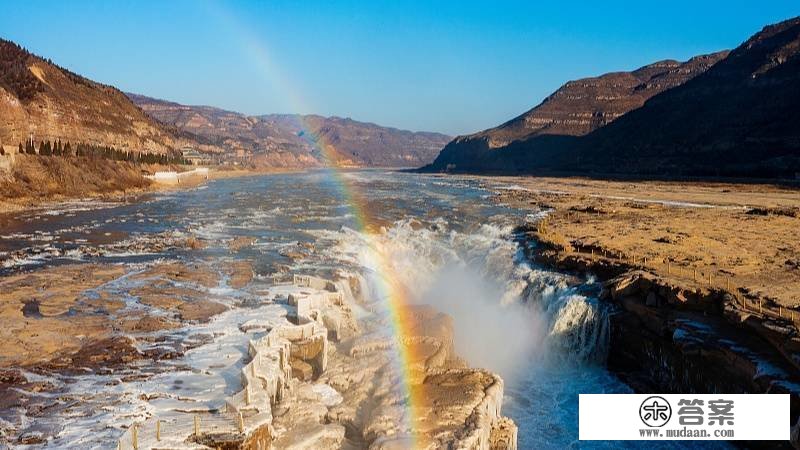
(63, 324)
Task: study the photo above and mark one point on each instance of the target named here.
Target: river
(446, 240)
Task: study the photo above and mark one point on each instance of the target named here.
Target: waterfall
(579, 328)
(498, 299)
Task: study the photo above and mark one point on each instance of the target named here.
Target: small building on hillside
(194, 157)
(7, 157)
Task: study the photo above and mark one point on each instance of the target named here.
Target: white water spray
(507, 314)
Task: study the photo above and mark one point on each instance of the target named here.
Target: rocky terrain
(289, 139)
(43, 100)
(52, 318)
(740, 235)
(703, 277)
(314, 375)
(324, 380)
(736, 119)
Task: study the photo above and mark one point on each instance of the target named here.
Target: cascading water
(479, 277)
(444, 239)
(541, 330)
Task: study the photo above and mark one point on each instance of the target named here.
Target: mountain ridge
(580, 106)
(355, 143)
(734, 119)
(42, 101)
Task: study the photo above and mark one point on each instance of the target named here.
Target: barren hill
(581, 106)
(740, 118)
(285, 138)
(41, 99)
(737, 118)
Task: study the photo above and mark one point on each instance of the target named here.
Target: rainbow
(407, 360)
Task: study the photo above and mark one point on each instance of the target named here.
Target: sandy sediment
(50, 314)
(93, 319)
(35, 320)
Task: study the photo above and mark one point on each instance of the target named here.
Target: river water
(444, 238)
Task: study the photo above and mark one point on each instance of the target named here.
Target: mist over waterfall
(507, 313)
(540, 330)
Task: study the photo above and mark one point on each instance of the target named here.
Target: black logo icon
(655, 411)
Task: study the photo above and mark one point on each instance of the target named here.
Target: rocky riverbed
(116, 315)
(110, 339)
(695, 309)
(68, 325)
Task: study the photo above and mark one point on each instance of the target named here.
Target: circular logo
(655, 411)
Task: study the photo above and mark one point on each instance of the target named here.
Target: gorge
(189, 277)
(703, 118)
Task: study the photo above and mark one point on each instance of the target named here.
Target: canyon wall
(667, 337)
(726, 114)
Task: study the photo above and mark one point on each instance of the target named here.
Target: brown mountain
(738, 118)
(286, 139)
(575, 109)
(581, 106)
(41, 99)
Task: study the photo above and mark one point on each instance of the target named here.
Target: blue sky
(448, 66)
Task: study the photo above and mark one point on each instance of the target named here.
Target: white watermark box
(749, 417)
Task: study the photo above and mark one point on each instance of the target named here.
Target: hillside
(581, 106)
(576, 108)
(49, 103)
(43, 100)
(284, 139)
(738, 118)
